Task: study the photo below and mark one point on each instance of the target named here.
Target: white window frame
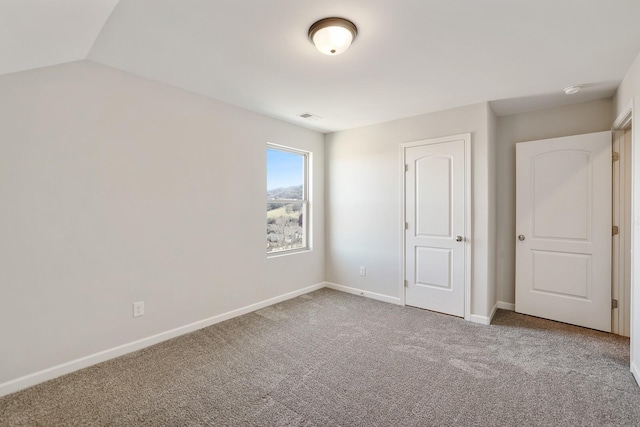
(305, 201)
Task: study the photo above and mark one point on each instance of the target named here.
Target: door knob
(521, 237)
(458, 238)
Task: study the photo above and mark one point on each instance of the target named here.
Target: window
(287, 199)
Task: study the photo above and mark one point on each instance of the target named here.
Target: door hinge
(615, 230)
(406, 226)
(406, 284)
(614, 304)
(406, 168)
(616, 156)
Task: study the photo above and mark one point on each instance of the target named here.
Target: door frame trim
(625, 119)
(620, 258)
(466, 137)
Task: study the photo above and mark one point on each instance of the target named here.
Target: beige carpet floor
(333, 359)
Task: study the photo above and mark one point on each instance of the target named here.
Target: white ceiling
(38, 33)
(410, 57)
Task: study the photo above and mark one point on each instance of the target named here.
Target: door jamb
(620, 257)
(467, 215)
(625, 119)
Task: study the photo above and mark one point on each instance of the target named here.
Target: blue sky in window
(284, 169)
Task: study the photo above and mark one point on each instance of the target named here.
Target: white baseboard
(636, 372)
(484, 320)
(506, 306)
(361, 292)
(102, 356)
(493, 313)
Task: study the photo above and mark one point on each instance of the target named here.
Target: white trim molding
(362, 292)
(493, 312)
(625, 118)
(484, 320)
(506, 306)
(65, 368)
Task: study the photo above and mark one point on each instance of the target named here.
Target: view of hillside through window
(286, 200)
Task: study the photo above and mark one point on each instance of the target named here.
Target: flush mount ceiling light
(332, 36)
(570, 90)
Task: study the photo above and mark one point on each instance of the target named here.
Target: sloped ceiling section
(39, 33)
(410, 57)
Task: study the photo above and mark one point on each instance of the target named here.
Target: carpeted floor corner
(334, 359)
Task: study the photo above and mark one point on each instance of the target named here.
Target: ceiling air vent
(309, 116)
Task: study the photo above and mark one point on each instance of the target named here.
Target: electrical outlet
(138, 309)
(363, 271)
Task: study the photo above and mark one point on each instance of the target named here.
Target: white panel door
(563, 229)
(435, 218)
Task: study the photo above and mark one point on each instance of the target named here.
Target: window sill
(287, 253)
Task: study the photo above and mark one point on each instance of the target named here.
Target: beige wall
(587, 117)
(116, 189)
(363, 201)
(627, 97)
